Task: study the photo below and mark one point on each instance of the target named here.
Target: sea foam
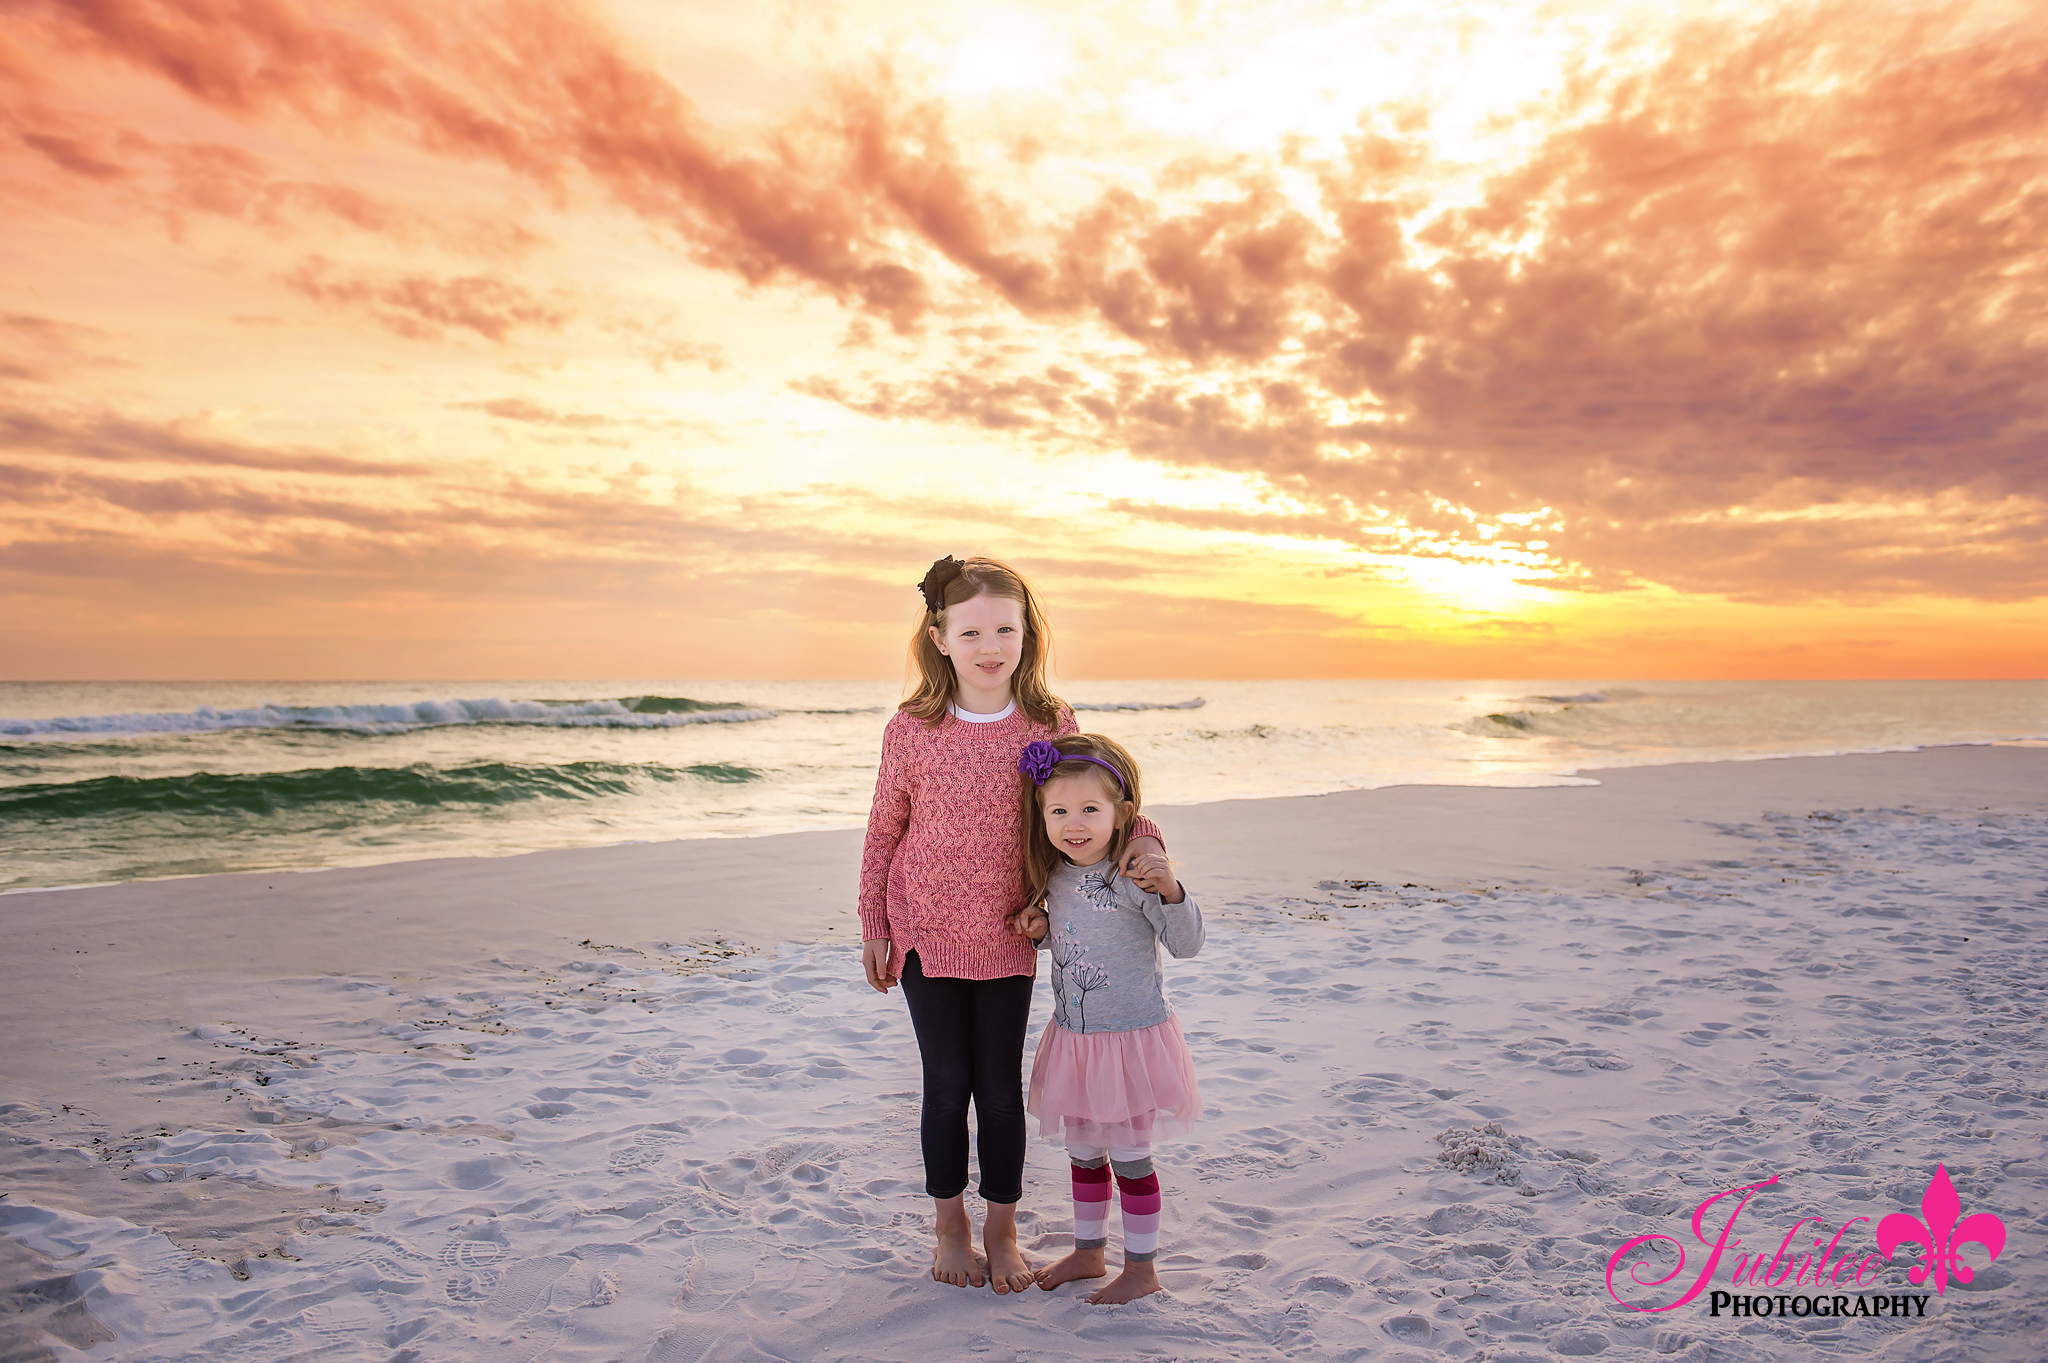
(1195, 704)
(642, 712)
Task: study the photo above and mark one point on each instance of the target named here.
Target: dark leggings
(970, 1034)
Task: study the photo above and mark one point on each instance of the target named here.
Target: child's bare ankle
(1008, 1269)
(1080, 1264)
(953, 1258)
(1137, 1280)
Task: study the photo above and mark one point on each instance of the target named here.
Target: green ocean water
(104, 781)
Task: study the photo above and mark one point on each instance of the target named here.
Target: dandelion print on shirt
(1105, 940)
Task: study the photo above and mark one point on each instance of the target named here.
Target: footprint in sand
(590, 1281)
(1579, 1059)
(663, 1063)
(348, 1320)
(1409, 1329)
(718, 1273)
(1554, 1053)
(1228, 1168)
(809, 1163)
(1455, 1219)
(475, 1274)
(647, 1149)
(687, 1341)
(524, 1286)
(393, 1261)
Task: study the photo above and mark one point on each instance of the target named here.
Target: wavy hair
(932, 696)
(1041, 858)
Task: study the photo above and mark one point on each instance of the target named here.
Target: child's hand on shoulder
(1153, 873)
(1031, 923)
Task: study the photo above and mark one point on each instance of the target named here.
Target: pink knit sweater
(943, 865)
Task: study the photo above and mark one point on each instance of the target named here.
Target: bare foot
(1137, 1280)
(953, 1258)
(1007, 1269)
(1082, 1263)
(954, 1261)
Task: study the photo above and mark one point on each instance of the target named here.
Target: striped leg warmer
(1091, 1202)
(1138, 1187)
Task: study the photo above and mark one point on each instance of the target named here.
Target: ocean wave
(347, 788)
(1195, 704)
(1574, 723)
(674, 705)
(633, 712)
(1604, 696)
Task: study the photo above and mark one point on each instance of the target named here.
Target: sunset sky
(381, 338)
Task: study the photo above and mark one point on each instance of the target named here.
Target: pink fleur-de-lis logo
(1941, 1233)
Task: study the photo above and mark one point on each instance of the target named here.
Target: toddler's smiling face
(1081, 817)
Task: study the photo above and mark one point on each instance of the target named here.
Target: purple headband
(1040, 757)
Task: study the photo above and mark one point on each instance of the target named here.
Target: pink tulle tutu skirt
(1114, 1088)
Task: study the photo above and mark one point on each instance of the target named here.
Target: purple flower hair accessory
(1039, 758)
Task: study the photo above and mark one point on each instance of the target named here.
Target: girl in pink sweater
(942, 886)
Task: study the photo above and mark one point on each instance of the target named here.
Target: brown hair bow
(937, 580)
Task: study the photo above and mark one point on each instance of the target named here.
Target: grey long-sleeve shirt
(1104, 941)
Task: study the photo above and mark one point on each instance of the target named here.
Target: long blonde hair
(1041, 858)
(930, 700)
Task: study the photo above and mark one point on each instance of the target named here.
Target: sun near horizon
(527, 338)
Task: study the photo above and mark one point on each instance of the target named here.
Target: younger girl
(1113, 1072)
(941, 882)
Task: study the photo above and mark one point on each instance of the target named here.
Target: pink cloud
(544, 91)
(423, 308)
(1797, 266)
(112, 438)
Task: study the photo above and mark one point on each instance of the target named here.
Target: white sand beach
(1458, 1045)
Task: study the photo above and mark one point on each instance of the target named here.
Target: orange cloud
(542, 90)
(519, 409)
(39, 349)
(122, 440)
(424, 308)
(1789, 273)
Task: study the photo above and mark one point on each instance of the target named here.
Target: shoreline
(1577, 776)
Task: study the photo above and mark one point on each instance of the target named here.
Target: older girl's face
(984, 636)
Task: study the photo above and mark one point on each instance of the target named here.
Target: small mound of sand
(1487, 1150)
(1498, 1156)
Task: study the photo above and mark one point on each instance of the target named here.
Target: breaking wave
(1195, 704)
(632, 712)
(347, 789)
